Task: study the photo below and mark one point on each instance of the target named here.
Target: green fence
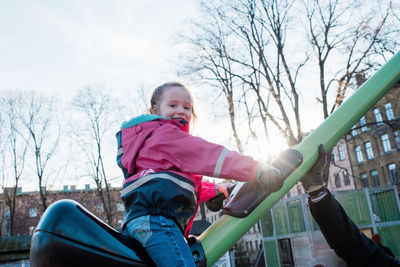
(271, 253)
(296, 218)
(384, 206)
(377, 209)
(356, 206)
(390, 237)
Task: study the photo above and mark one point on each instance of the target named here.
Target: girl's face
(175, 103)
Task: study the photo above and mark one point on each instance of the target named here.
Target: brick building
(29, 211)
(374, 143)
(340, 170)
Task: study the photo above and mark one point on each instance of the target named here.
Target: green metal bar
(225, 232)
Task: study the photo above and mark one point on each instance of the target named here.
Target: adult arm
(344, 237)
(341, 233)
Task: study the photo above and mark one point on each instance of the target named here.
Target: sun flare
(264, 150)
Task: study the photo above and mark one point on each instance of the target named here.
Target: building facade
(340, 170)
(374, 143)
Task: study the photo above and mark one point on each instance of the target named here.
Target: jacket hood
(140, 119)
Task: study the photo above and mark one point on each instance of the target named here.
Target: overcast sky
(61, 46)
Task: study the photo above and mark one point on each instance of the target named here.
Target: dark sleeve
(344, 237)
(387, 250)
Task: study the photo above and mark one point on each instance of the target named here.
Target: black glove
(271, 177)
(319, 173)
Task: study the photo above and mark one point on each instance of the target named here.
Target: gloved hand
(271, 177)
(318, 175)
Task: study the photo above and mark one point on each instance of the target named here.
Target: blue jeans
(162, 239)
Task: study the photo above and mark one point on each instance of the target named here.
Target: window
(368, 150)
(364, 180)
(87, 186)
(73, 187)
(7, 214)
(378, 116)
(393, 173)
(338, 184)
(346, 177)
(359, 155)
(386, 143)
(65, 188)
(363, 124)
(99, 208)
(31, 230)
(353, 130)
(120, 207)
(374, 178)
(299, 189)
(333, 157)
(389, 111)
(342, 155)
(397, 139)
(32, 213)
(285, 252)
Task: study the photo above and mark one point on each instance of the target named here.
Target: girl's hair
(156, 96)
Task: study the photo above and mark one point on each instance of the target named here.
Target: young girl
(162, 164)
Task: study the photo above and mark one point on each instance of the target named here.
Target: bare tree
(355, 41)
(13, 152)
(90, 134)
(243, 48)
(211, 61)
(39, 117)
(264, 33)
(260, 52)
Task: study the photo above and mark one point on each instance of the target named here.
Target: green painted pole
(225, 232)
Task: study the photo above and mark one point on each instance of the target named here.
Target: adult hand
(318, 175)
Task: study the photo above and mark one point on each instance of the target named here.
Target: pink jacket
(152, 148)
